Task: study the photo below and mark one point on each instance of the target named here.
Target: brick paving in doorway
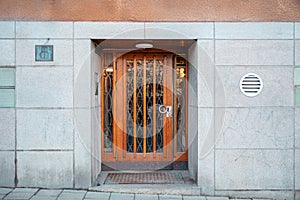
(145, 178)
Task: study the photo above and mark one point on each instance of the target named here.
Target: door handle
(163, 109)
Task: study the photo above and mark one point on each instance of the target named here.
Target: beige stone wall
(153, 10)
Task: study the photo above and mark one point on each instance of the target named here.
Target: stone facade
(238, 145)
(151, 11)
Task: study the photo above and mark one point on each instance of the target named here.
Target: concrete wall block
(83, 153)
(297, 127)
(96, 142)
(7, 168)
(193, 158)
(257, 128)
(205, 72)
(297, 30)
(206, 135)
(95, 67)
(7, 128)
(193, 76)
(62, 52)
(206, 174)
(297, 52)
(44, 87)
(44, 129)
(254, 30)
(44, 29)
(297, 169)
(193, 141)
(83, 123)
(254, 52)
(177, 30)
(279, 79)
(82, 164)
(258, 194)
(106, 30)
(82, 73)
(297, 195)
(96, 118)
(47, 169)
(7, 29)
(7, 52)
(254, 169)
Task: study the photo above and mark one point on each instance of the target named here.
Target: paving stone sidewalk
(48, 194)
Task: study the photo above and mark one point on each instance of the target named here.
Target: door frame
(172, 154)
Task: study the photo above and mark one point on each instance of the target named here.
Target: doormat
(145, 178)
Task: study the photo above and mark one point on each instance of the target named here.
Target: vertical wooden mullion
(165, 70)
(154, 107)
(102, 103)
(118, 93)
(124, 77)
(134, 105)
(114, 107)
(186, 105)
(144, 106)
(175, 106)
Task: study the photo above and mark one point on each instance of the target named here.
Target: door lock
(165, 110)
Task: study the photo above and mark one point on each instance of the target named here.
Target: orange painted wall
(150, 10)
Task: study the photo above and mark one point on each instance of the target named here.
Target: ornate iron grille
(139, 107)
(159, 101)
(144, 92)
(129, 105)
(108, 111)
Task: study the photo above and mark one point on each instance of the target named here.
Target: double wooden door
(143, 108)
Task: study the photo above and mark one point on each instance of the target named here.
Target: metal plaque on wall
(43, 52)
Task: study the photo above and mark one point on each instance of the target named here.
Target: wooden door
(137, 109)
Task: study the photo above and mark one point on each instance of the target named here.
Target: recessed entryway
(144, 98)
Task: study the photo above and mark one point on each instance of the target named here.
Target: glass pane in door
(181, 110)
(139, 107)
(180, 103)
(108, 111)
(159, 101)
(129, 104)
(149, 105)
(144, 89)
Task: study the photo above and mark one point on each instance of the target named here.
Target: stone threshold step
(167, 189)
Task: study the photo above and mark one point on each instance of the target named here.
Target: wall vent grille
(251, 84)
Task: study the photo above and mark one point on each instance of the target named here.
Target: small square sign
(43, 52)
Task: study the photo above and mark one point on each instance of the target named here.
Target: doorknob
(163, 109)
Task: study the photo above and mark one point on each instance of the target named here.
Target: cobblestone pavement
(48, 194)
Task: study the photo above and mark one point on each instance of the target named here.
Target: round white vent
(251, 84)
